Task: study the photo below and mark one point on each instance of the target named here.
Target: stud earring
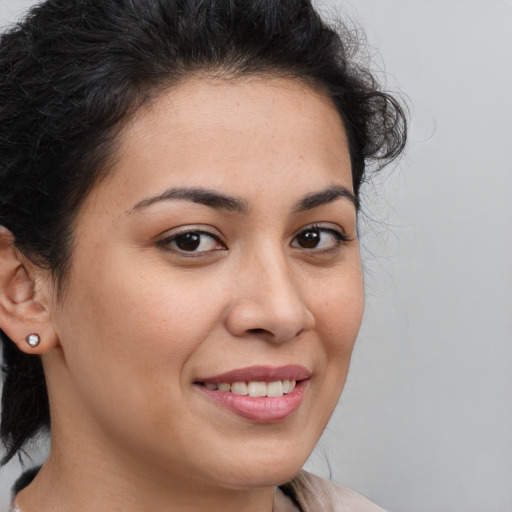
(33, 340)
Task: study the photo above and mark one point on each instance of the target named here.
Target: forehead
(234, 135)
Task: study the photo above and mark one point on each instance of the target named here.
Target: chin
(273, 471)
(263, 478)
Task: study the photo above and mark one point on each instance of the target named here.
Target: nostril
(266, 332)
(258, 331)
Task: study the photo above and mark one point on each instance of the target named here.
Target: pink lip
(260, 374)
(259, 409)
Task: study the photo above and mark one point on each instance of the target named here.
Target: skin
(142, 319)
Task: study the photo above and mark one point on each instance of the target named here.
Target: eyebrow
(325, 196)
(203, 196)
(214, 199)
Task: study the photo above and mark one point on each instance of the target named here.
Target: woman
(181, 286)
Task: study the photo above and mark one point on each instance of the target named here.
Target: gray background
(425, 422)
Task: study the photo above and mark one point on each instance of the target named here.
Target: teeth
(239, 388)
(275, 388)
(255, 388)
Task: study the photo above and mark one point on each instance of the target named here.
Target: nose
(268, 303)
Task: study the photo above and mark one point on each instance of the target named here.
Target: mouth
(261, 394)
(255, 388)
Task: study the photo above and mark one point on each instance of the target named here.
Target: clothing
(305, 493)
(315, 494)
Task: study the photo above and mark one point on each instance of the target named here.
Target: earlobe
(23, 315)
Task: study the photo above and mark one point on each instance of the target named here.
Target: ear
(24, 299)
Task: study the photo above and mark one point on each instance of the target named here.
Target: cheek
(128, 348)
(158, 320)
(136, 331)
(339, 311)
(338, 308)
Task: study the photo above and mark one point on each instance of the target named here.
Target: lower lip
(262, 409)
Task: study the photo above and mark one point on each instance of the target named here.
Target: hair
(73, 72)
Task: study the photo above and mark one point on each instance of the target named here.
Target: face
(219, 258)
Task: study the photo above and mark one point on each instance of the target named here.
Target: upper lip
(260, 374)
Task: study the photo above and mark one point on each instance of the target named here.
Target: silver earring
(33, 340)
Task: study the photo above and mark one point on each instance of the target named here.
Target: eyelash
(339, 236)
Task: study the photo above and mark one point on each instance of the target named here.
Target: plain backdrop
(425, 421)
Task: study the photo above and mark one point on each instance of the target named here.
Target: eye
(192, 241)
(319, 238)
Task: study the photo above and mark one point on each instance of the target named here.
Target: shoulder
(315, 494)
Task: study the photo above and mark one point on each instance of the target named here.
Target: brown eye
(319, 238)
(196, 242)
(308, 239)
(188, 241)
